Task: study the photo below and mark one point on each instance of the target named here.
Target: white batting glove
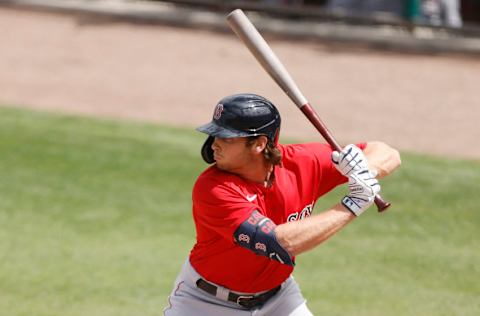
(350, 159)
(363, 187)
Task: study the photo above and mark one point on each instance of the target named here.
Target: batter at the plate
(253, 207)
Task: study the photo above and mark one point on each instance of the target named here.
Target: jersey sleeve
(328, 176)
(220, 206)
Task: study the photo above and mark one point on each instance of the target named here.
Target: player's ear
(260, 144)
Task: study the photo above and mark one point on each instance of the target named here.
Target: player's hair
(271, 153)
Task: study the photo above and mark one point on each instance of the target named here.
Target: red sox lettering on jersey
(306, 212)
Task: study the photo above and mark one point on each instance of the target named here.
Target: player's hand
(350, 159)
(363, 187)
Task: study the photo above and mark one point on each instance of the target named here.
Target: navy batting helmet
(241, 115)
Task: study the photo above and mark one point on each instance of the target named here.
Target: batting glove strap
(352, 206)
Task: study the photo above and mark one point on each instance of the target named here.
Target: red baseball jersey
(222, 201)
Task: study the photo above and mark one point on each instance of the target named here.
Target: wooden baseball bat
(257, 45)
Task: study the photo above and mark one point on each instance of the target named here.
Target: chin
(222, 166)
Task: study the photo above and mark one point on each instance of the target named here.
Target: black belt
(248, 301)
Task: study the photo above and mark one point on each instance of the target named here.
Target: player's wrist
(352, 206)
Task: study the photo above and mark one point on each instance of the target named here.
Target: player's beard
(233, 166)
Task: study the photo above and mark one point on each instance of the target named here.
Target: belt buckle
(244, 299)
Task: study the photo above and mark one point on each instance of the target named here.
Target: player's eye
(226, 140)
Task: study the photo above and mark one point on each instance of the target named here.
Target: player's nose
(215, 144)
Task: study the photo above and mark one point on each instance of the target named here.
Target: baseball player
(253, 206)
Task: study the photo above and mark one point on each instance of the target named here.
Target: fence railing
(316, 10)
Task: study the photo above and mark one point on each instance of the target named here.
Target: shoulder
(305, 152)
(310, 149)
(213, 176)
(216, 183)
(314, 155)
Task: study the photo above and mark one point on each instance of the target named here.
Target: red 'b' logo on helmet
(218, 111)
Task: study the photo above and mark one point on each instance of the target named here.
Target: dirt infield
(172, 75)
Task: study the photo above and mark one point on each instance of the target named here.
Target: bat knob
(382, 205)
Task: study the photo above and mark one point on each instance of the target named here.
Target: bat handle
(312, 115)
(382, 205)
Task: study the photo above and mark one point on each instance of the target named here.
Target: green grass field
(95, 219)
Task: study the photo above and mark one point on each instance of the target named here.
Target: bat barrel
(246, 31)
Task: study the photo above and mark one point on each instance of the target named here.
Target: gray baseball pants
(187, 299)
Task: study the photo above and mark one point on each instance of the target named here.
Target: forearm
(299, 236)
(382, 158)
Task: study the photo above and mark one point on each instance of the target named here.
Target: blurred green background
(95, 219)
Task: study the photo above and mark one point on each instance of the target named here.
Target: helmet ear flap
(207, 151)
